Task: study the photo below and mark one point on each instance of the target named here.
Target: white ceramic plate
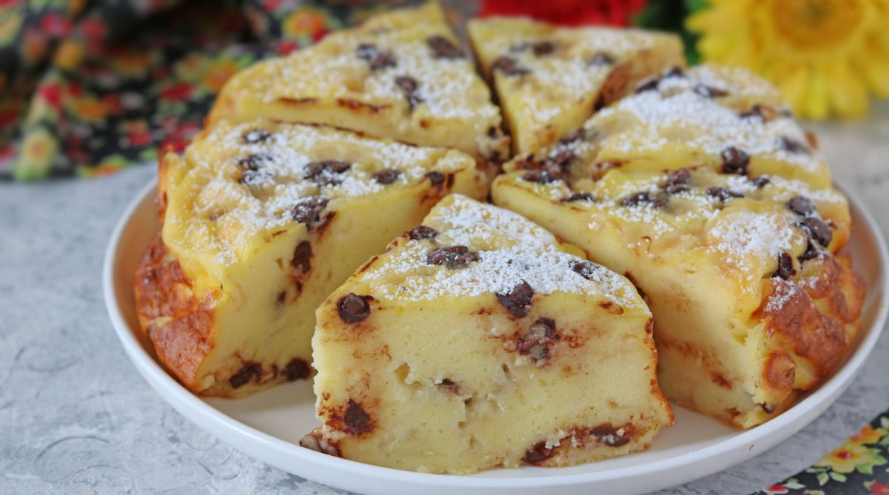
(268, 425)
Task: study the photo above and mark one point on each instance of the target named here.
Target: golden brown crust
(177, 323)
(812, 322)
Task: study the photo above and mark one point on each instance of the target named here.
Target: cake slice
(400, 75)
(479, 340)
(261, 221)
(753, 300)
(549, 79)
(721, 117)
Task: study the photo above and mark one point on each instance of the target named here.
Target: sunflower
(827, 56)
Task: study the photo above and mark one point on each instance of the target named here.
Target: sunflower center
(816, 23)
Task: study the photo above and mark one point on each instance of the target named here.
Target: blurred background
(88, 87)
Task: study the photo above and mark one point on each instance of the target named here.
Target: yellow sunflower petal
(817, 104)
(876, 71)
(793, 81)
(848, 93)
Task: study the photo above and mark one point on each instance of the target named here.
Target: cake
(549, 79)
(479, 340)
(400, 75)
(260, 222)
(753, 300)
(715, 116)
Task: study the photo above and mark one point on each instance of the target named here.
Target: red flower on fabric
(139, 138)
(879, 488)
(55, 25)
(567, 12)
(112, 103)
(180, 137)
(777, 489)
(93, 29)
(177, 92)
(74, 90)
(286, 47)
(52, 94)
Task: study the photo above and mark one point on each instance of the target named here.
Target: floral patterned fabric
(90, 87)
(860, 466)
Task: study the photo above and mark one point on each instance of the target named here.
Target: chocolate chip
(791, 145)
(409, 85)
(356, 418)
(609, 436)
(353, 308)
(296, 369)
(422, 232)
(539, 48)
(800, 205)
(538, 453)
(436, 178)
(536, 342)
(302, 256)
(576, 135)
(650, 84)
(678, 181)
(452, 257)
(563, 160)
(579, 196)
(249, 372)
(518, 300)
(786, 113)
(761, 112)
(542, 176)
(674, 71)
(644, 197)
(323, 172)
(253, 161)
(443, 48)
(309, 210)
(543, 48)
(256, 136)
(760, 182)
(785, 267)
(387, 176)
(585, 269)
(509, 67)
(377, 58)
(811, 252)
(601, 58)
(818, 230)
(723, 194)
(767, 408)
(710, 91)
(734, 161)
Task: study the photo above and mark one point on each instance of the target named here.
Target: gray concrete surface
(76, 417)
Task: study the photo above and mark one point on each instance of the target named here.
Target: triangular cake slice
(400, 75)
(721, 117)
(752, 299)
(261, 222)
(549, 79)
(479, 340)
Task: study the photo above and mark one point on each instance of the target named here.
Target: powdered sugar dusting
(782, 293)
(676, 112)
(227, 204)
(511, 249)
(448, 87)
(746, 241)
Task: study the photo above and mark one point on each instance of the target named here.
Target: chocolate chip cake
(752, 299)
(549, 79)
(715, 116)
(261, 222)
(480, 340)
(400, 75)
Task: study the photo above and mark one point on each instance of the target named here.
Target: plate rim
(230, 430)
